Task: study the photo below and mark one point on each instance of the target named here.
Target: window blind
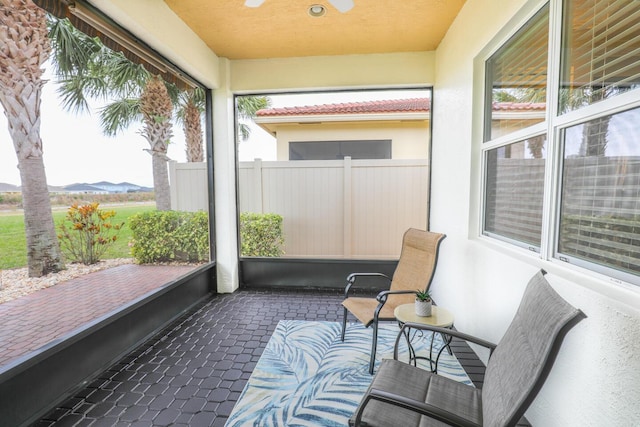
(601, 42)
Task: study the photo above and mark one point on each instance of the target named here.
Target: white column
(224, 161)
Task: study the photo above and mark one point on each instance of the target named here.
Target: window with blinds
(601, 46)
(516, 76)
(600, 209)
(514, 192)
(579, 171)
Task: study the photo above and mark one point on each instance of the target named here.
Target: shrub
(261, 235)
(166, 236)
(86, 233)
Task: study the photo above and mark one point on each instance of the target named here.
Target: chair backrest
(523, 358)
(417, 264)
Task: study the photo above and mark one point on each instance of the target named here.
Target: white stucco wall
(330, 72)
(595, 379)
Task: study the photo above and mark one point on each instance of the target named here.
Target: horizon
(86, 183)
(75, 150)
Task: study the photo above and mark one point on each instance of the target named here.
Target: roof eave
(318, 118)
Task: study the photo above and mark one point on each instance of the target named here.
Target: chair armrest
(452, 332)
(351, 280)
(382, 296)
(413, 405)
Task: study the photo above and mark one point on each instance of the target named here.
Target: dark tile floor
(192, 373)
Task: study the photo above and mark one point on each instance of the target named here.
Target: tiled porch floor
(192, 373)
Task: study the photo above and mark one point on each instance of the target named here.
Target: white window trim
(553, 127)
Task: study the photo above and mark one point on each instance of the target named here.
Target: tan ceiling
(283, 28)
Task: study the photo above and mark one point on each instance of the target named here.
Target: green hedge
(166, 236)
(261, 235)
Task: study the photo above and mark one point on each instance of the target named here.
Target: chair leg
(344, 322)
(446, 342)
(374, 345)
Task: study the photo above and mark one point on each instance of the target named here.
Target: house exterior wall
(594, 380)
(409, 140)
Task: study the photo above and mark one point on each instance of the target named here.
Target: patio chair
(414, 271)
(401, 394)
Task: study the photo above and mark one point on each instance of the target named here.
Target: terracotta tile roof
(519, 106)
(386, 106)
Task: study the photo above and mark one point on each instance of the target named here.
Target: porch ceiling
(284, 28)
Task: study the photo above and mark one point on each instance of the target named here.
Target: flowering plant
(86, 232)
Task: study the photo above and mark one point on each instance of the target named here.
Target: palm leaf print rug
(307, 376)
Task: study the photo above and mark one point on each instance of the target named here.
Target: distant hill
(8, 188)
(102, 187)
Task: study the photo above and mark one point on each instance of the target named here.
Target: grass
(13, 244)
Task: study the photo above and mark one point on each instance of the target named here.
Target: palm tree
(247, 107)
(89, 70)
(24, 47)
(189, 113)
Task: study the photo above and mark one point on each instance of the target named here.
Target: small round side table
(440, 317)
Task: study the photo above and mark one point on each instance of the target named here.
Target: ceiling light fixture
(317, 10)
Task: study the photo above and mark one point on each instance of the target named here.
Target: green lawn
(13, 246)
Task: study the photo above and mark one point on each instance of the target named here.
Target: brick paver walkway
(32, 321)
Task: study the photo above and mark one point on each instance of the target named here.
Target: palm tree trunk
(193, 133)
(156, 109)
(24, 47)
(161, 182)
(43, 250)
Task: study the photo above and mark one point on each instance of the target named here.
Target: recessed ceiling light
(317, 10)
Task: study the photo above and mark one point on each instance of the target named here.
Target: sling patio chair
(414, 271)
(403, 395)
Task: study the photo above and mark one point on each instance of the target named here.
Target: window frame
(519, 135)
(554, 126)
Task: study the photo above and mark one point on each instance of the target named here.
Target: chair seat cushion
(363, 309)
(406, 380)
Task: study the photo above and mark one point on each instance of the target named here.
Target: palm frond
(173, 91)
(123, 73)
(247, 106)
(73, 50)
(119, 115)
(243, 132)
(193, 97)
(72, 96)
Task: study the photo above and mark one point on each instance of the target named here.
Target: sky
(75, 151)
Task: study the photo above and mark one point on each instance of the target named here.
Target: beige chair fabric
(414, 271)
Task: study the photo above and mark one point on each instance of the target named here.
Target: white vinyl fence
(331, 208)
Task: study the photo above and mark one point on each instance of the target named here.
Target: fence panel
(389, 197)
(188, 183)
(309, 197)
(337, 208)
